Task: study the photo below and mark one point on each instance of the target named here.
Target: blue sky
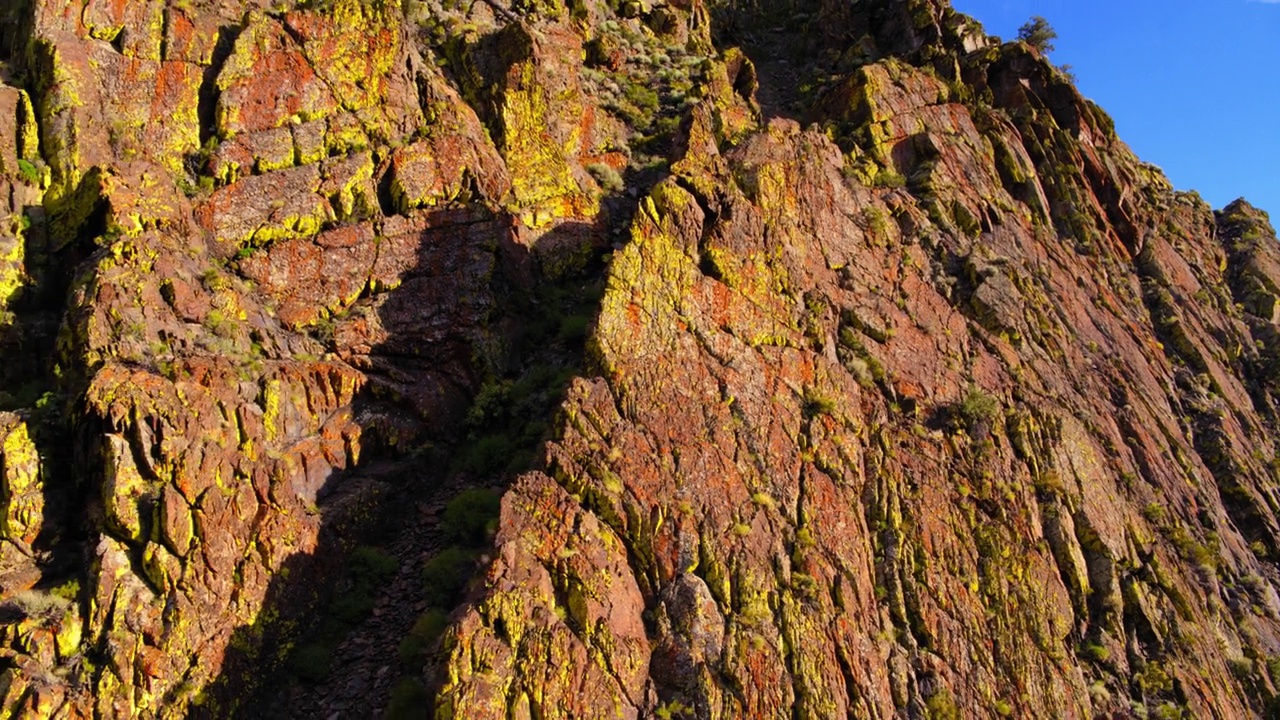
(1193, 85)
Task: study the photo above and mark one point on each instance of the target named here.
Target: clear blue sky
(1193, 85)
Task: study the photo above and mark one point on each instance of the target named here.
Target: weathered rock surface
(935, 402)
(989, 437)
(274, 235)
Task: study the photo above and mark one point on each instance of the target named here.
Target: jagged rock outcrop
(272, 240)
(911, 391)
(962, 412)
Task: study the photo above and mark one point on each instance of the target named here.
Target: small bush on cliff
(640, 104)
(29, 172)
(673, 710)
(219, 324)
(608, 178)
(409, 699)
(974, 414)
(445, 575)
(940, 706)
(471, 516)
(889, 178)
(1095, 652)
(817, 403)
(1038, 33)
(491, 404)
(36, 604)
(68, 590)
(310, 663)
(488, 455)
(370, 569)
(426, 630)
(977, 406)
(371, 564)
(573, 329)
(1202, 555)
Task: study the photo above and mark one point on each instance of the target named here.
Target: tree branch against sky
(1038, 33)
(1192, 85)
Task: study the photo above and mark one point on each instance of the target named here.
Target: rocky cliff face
(832, 359)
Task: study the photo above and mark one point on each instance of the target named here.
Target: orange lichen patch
(268, 82)
(190, 36)
(352, 45)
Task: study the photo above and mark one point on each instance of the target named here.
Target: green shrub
(213, 280)
(488, 455)
(816, 403)
(1259, 550)
(426, 630)
(69, 590)
(1095, 652)
(608, 178)
(673, 710)
(409, 700)
(641, 104)
(323, 329)
(573, 328)
(1049, 482)
(37, 604)
(310, 663)
(1037, 33)
(976, 407)
(349, 608)
(372, 565)
(889, 178)
(445, 575)
(470, 516)
(940, 706)
(29, 172)
(370, 569)
(491, 404)
(219, 324)
(1204, 555)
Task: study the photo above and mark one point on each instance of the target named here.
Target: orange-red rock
(929, 400)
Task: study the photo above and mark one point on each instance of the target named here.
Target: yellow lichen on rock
(543, 185)
(123, 489)
(21, 496)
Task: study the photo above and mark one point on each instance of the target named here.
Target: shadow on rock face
(464, 362)
(297, 299)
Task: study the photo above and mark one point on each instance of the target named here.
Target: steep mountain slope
(908, 391)
(996, 439)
